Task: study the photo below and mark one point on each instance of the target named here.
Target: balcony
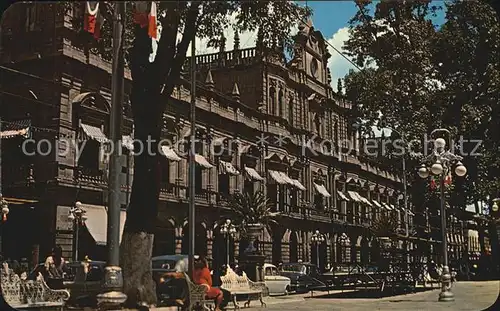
(91, 175)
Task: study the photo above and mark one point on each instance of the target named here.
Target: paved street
(470, 296)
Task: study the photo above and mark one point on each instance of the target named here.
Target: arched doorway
(220, 249)
(365, 251)
(200, 242)
(277, 252)
(375, 251)
(294, 247)
(164, 241)
(319, 251)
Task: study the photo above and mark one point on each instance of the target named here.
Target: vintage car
(276, 283)
(84, 287)
(304, 277)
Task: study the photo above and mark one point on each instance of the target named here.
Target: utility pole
(113, 280)
(192, 184)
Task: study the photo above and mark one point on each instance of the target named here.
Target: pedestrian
(177, 282)
(202, 277)
(55, 266)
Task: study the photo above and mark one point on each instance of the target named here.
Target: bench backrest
(233, 281)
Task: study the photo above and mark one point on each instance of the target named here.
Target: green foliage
(417, 77)
(384, 226)
(252, 208)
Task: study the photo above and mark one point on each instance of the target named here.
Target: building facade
(263, 124)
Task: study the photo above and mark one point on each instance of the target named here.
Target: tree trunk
(138, 233)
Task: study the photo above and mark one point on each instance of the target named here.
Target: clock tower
(311, 53)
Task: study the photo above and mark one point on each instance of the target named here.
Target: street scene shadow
(371, 294)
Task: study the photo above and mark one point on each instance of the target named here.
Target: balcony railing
(91, 175)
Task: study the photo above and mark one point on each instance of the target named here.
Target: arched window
(290, 112)
(317, 124)
(280, 103)
(272, 100)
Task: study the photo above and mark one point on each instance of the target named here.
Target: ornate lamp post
(78, 217)
(228, 230)
(317, 238)
(440, 163)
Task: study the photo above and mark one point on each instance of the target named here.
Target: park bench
(238, 285)
(197, 296)
(26, 294)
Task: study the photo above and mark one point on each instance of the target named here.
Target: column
(178, 240)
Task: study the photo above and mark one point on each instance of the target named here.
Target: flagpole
(113, 280)
(192, 184)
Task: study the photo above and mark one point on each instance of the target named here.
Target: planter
(253, 231)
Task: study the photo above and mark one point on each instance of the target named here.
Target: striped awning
(298, 184)
(280, 177)
(364, 200)
(252, 174)
(92, 132)
(392, 206)
(354, 196)
(377, 204)
(387, 206)
(342, 196)
(15, 128)
(227, 168)
(322, 190)
(170, 154)
(201, 160)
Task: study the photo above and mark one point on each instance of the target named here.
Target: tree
(152, 86)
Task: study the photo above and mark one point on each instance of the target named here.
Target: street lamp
(317, 238)
(78, 217)
(228, 230)
(5, 207)
(440, 163)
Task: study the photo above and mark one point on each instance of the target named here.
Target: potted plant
(253, 212)
(385, 229)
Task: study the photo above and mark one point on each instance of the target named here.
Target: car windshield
(293, 268)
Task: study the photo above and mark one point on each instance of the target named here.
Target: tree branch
(180, 57)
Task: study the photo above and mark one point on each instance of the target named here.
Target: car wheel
(287, 290)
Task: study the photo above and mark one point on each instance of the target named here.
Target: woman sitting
(202, 276)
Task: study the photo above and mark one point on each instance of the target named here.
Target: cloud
(339, 66)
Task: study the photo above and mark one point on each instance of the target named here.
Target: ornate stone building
(263, 123)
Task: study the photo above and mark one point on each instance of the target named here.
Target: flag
(433, 184)
(152, 31)
(141, 13)
(447, 181)
(145, 19)
(93, 19)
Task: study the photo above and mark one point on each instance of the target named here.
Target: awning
(277, 177)
(387, 206)
(92, 132)
(377, 204)
(15, 128)
(298, 184)
(227, 168)
(252, 173)
(342, 196)
(322, 190)
(392, 206)
(354, 196)
(128, 142)
(364, 200)
(170, 154)
(201, 160)
(97, 222)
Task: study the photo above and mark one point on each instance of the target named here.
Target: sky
(329, 17)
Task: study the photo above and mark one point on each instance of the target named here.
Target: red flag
(141, 13)
(433, 184)
(152, 31)
(93, 19)
(447, 181)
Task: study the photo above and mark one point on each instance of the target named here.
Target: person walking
(55, 266)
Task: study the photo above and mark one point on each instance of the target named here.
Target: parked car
(84, 288)
(304, 277)
(276, 283)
